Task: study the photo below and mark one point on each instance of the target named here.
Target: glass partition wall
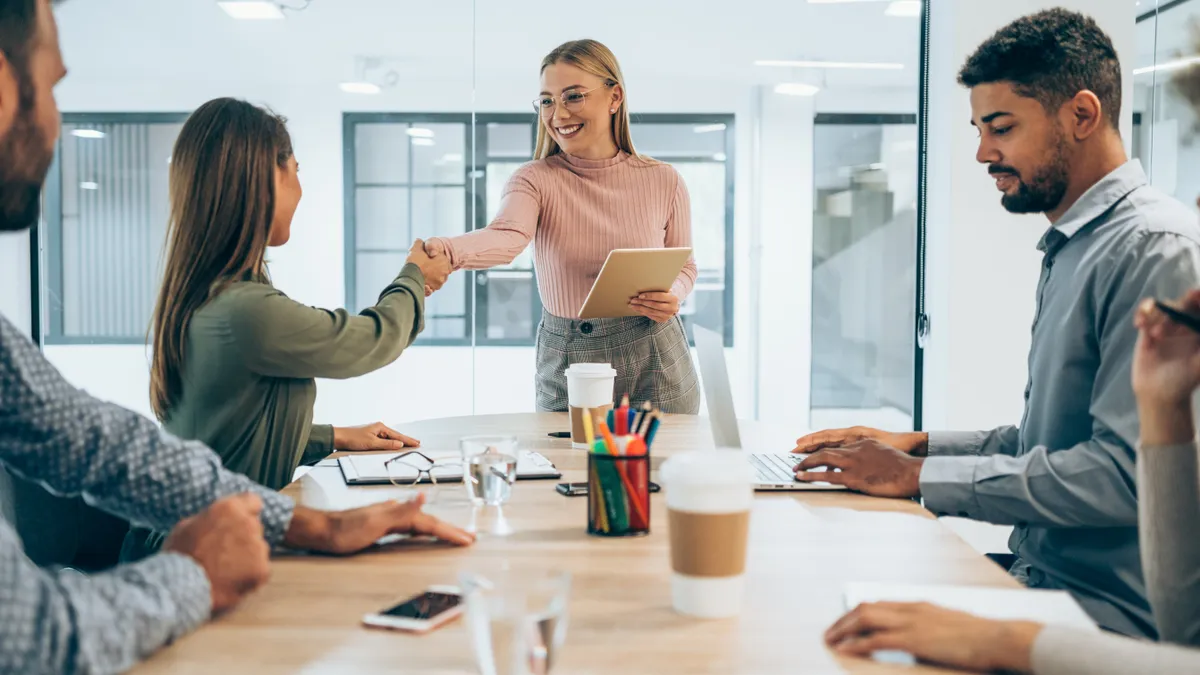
(792, 124)
(1167, 126)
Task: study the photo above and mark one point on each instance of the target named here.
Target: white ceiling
(458, 39)
(490, 46)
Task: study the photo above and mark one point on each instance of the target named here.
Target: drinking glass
(489, 471)
(517, 620)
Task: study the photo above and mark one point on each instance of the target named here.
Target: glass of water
(489, 471)
(517, 620)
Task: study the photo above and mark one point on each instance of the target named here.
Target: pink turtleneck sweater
(576, 211)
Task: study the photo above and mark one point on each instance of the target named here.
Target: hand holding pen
(1166, 360)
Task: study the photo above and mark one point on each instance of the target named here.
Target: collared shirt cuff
(954, 443)
(276, 515)
(948, 485)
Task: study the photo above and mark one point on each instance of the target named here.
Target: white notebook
(369, 469)
(1049, 607)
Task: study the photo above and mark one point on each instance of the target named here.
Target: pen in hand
(1178, 315)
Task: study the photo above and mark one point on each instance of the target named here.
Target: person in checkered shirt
(222, 524)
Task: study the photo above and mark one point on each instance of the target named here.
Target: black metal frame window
(417, 175)
(104, 222)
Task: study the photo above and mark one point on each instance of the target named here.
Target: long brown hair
(222, 194)
(595, 59)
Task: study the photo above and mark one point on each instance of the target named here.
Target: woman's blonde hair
(595, 59)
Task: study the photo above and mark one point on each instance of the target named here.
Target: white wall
(983, 262)
(784, 172)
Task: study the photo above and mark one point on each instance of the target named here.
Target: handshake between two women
(434, 261)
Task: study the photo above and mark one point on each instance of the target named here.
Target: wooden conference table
(803, 547)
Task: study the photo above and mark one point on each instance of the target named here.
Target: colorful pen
(609, 443)
(655, 420)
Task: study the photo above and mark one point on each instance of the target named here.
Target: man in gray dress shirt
(221, 523)
(1045, 97)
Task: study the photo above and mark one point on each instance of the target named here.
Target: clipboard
(628, 272)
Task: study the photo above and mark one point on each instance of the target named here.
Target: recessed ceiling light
(719, 157)
(89, 185)
(845, 65)
(251, 10)
(88, 133)
(905, 8)
(1169, 65)
(423, 141)
(708, 128)
(452, 157)
(359, 88)
(420, 132)
(796, 89)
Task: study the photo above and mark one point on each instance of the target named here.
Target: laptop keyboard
(773, 468)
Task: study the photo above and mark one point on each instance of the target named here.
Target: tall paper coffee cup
(589, 386)
(709, 497)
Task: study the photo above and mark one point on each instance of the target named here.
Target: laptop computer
(775, 471)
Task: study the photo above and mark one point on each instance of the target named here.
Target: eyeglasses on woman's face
(572, 99)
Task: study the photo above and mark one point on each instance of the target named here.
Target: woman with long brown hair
(234, 358)
(587, 192)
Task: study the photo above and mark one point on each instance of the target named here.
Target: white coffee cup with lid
(709, 495)
(589, 387)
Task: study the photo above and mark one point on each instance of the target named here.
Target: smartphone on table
(420, 613)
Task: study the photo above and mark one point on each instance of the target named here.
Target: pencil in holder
(618, 495)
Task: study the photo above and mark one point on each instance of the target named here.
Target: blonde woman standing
(586, 193)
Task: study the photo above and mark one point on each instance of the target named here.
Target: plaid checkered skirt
(652, 360)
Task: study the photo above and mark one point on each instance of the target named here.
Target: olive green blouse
(250, 361)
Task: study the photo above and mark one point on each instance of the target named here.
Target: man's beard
(25, 157)
(1046, 190)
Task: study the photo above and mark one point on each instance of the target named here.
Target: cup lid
(707, 467)
(591, 370)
